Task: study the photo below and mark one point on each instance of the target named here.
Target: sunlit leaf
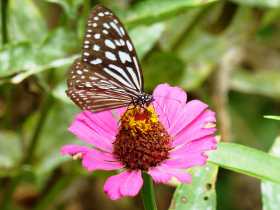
(259, 3)
(270, 190)
(200, 194)
(154, 10)
(246, 160)
(272, 117)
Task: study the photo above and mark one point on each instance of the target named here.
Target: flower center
(142, 141)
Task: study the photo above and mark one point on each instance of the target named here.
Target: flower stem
(147, 193)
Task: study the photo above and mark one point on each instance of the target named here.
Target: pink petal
(132, 185)
(98, 129)
(188, 113)
(197, 128)
(168, 103)
(197, 146)
(72, 149)
(127, 183)
(159, 176)
(98, 160)
(187, 161)
(163, 174)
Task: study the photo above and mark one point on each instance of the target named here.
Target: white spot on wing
(110, 56)
(134, 77)
(96, 18)
(110, 44)
(97, 36)
(101, 14)
(122, 30)
(124, 57)
(116, 28)
(137, 69)
(96, 47)
(129, 45)
(106, 25)
(96, 61)
(105, 31)
(86, 54)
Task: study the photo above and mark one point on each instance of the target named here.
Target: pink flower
(163, 141)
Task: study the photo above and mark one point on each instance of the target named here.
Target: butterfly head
(144, 99)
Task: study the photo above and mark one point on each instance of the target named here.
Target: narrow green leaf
(39, 68)
(200, 194)
(259, 3)
(270, 190)
(272, 117)
(246, 160)
(151, 11)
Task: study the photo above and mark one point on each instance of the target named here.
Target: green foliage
(200, 194)
(181, 42)
(270, 190)
(247, 161)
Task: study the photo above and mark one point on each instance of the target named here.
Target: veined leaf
(246, 160)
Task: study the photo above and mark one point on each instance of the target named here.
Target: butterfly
(108, 74)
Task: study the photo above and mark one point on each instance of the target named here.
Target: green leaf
(70, 6)
(200, 194)
(262, 82)
(162, 67)
(26, 59)
(150, 11)
(246, 160)
(25, 22)
(259, 3)
(144, 37)
(272, 117)
(53, 137)
(200, 52)
(10, 151)
(270, 190)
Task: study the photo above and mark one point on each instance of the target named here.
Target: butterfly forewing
(108, 47)
(108, 74)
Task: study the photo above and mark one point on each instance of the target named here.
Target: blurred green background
(226, 53)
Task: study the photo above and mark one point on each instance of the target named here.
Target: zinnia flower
(162, 140)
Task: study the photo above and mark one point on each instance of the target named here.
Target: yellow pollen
(139, 119)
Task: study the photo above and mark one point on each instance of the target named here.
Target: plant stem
(147, 193)
(4, 8)
(41, 121)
